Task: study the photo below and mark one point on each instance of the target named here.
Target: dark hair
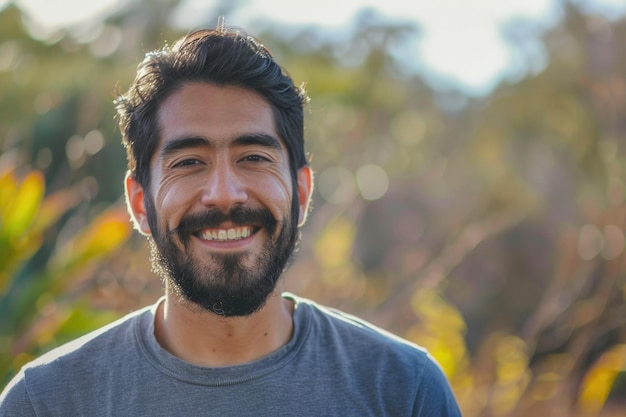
(223, 56)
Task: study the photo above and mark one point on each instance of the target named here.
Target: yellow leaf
(108, 231)
(8, 186)
(599, 380)
(23, 208)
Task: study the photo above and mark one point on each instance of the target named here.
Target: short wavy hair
(224, 56)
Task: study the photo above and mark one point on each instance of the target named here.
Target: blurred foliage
(33, 319)
(488, 229)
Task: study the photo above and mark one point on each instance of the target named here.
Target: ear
(305, 190)
(135, 204)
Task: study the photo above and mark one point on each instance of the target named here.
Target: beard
(229, 285)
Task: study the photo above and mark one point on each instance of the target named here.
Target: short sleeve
(14, 400)
(435, 397)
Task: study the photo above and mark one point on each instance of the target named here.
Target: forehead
(218, 113)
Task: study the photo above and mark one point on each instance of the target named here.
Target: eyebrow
(249, 139)
(178, 144)
(259, 139)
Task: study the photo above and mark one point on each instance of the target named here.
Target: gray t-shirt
(335, 365)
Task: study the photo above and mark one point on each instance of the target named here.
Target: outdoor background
(484, 224)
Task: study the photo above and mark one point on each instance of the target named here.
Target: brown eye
(186, 162)
(255, 158)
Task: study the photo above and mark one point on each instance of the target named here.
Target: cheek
(172, 202)
(275, 192)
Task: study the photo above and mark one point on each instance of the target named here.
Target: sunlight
(57, 14)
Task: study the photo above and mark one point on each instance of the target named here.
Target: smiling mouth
(225, 235)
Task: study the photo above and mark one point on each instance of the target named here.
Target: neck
(206, 339)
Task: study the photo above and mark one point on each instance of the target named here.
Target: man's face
(219, 203)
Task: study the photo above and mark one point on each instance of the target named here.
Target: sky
(460, 43)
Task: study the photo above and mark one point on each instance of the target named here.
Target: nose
(223, 188)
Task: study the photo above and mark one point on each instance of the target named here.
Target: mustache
(213, 218)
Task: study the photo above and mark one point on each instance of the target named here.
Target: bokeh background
(479, 214)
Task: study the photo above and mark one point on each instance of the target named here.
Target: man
(219, 182)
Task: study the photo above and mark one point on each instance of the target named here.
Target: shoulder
(103, 340)
(369, 353)
(69, 364)
(14, 400)
(351, 327)
(358, 341)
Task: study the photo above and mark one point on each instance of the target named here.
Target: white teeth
(228, 234)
